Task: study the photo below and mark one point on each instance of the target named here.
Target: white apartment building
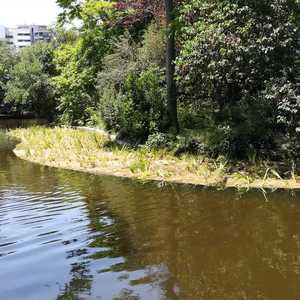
(24, 35)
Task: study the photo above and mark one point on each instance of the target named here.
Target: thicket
(237, 73)
(238, 62)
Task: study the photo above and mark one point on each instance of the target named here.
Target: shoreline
(81, 151)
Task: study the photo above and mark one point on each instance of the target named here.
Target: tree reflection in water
(199, 243)
(141, 241)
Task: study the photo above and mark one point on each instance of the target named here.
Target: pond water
(68, 235)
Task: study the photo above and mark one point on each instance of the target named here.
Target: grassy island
(95, 153)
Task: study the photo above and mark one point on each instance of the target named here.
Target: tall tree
(28, 89)
(7, 61)
(170, 66)
(135, 12)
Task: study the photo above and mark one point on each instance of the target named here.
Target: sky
(40, 12)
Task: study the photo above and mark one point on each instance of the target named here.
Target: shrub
(110, 108)
(131, 86)
(131, 57)
(159, 141)
(78, 63)
(189, 145)
(285, 102)
(176, 144)
(143, 104)
(221, 142)
(74, 86)
(192, 117)
(138, 108)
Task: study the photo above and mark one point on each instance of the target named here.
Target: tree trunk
(170, 66)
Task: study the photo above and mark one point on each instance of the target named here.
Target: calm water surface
(67, 235)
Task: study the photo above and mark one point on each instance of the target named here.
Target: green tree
(133, 16)
(170, 65)
(237, 61)
(79, 61)
(29, 88)
(7, 61)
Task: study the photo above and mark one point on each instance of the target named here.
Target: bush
(192, 117)
(143, 104)
(283, 97)
(230, 48)
(138, 108)
(78, 63)
(110, 108)
(131, 86)
(176, 144)
(159, 141)
(188, 145)
(131, 57)
(74, 86)
(221, 142)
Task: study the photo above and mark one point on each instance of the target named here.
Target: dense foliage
(79, 61)
(237, 71)
(28, 89)
(7, 61)
(237, 60)
(131, 86)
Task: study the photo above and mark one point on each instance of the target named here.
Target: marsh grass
(96, 152)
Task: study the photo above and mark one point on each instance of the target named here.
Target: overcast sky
(41, 12)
